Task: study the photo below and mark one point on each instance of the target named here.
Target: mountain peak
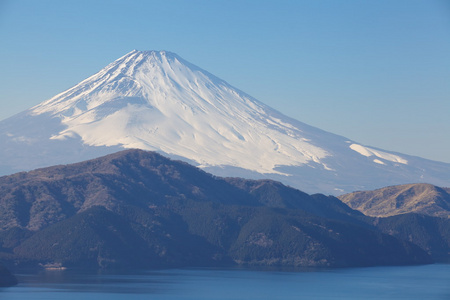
(153, 101)
(148, 54)
(134, 75)
(157, 101)
(420, 198)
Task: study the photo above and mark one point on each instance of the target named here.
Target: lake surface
(412, 282)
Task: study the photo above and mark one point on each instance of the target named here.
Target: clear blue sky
(377, 72)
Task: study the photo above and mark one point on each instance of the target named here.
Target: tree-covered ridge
(6, 278)
(140, 209)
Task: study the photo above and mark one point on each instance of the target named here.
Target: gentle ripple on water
(412, 282)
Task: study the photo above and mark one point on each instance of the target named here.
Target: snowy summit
(155, 100)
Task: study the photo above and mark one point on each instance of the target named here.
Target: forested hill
(139, 209)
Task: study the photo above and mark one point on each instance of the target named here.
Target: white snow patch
(366, 151)
(378, 162)
(64, 135)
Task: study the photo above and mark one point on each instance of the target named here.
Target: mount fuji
(155, 100)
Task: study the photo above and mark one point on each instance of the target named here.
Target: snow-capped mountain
(157, 101)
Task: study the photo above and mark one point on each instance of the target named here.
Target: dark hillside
(140, 209)
(6, 278)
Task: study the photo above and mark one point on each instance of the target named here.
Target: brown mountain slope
(419, 198)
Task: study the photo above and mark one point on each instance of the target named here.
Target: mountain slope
(157, 101)
(429, 233)
(423, 199)
(6, 278)
(139, 209)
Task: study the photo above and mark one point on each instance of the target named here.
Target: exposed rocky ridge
(140, 209)
(419, 198)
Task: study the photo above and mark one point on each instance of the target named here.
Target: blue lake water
(411, 282)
